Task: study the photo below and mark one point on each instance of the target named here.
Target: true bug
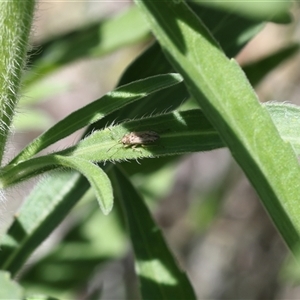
(139, 138)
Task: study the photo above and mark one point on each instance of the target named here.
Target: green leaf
(95, 175)
(179, 132)
(228, 101)
(8, 288)
(159, 275)
(42, 211)
(96, 110)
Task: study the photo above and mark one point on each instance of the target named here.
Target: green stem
(15, 23)
(11, 175)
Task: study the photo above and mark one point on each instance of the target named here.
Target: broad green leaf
(97, 110)
(160, 276)
(93, 40)
(8, 288)
(41, 213)
(228, 101)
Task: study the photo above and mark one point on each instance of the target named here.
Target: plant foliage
(190, 60)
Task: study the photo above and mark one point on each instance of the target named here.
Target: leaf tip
(106, 209)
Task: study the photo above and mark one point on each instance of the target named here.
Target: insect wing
(140, 138)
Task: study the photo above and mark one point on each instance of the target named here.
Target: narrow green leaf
(8, 288)
(228, 101)
(95, 175)
(178, 133)
(42, 211)
(156, 103)
(159, 275)
(96, 110)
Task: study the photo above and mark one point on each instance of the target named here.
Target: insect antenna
(112, 146)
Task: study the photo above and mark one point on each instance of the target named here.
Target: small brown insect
(139, 138)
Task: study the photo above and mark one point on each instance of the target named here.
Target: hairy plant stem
(15, 23)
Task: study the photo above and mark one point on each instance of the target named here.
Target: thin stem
(15, 23)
